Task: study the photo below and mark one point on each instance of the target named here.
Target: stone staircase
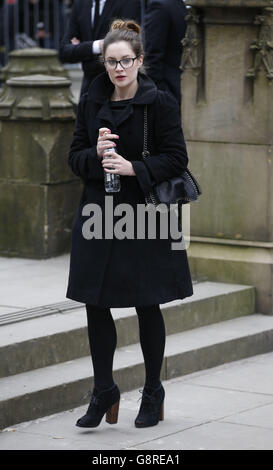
(45, 365)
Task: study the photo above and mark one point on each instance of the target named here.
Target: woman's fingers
(112, 157)
(111, 160)
(105, 134)
(117, 164)
(107, 143)
(104, 130)
(107, 137)
(104, 146)
(104, 140)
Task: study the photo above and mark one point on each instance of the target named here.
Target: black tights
(103, 341)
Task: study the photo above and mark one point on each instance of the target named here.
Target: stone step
(60, 337)
(63, 386)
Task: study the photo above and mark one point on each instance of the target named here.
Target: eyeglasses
(125, 63)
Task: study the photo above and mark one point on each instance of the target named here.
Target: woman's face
(122, 77)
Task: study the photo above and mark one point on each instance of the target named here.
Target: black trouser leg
(152, 340)
(103, 341)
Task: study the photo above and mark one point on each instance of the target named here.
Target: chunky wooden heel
(161, 417)
(112, 414)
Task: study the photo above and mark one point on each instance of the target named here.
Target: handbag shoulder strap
(145, 152)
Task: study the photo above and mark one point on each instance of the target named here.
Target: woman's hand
(116, 163)
(104, 141)
(119, 165)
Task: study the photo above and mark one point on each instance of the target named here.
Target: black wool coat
(113, 272)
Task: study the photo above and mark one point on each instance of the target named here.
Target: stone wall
(227, 115)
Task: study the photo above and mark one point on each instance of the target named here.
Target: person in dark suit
(165, 27)
(88, 25)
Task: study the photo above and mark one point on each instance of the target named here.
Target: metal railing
(35, 23)
(31, 23)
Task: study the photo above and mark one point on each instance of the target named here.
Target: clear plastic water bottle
(111, 180)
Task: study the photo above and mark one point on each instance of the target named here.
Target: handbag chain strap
(145, 152)
(150, 198)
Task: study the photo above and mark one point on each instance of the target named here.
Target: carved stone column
(38, 191)
(227, 115)
(32, 61)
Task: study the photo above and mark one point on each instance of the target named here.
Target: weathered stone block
(37, 219)
(225, 105)
(244, 263)
(35, 152)
(237, 183)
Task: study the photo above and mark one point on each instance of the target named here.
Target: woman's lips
(120, 77)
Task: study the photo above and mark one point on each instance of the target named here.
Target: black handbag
(180, 189)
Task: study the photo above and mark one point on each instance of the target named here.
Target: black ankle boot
(151, 408)
(106, 401)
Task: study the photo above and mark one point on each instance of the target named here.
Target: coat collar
(101, 89)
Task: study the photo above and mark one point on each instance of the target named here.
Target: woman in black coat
(111, 271)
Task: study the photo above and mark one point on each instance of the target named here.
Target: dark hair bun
(130, 25)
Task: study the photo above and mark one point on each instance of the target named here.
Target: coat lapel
(106, 117)
(106, 13)
(124, 114)
(86, 13)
